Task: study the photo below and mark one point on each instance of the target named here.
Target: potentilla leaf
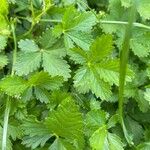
(28, 46)
(99, 70)
(27, 62)
(13, 85)
(76, 28)
(50, 56)
(36, 133)
(66, 122)
(102, 139)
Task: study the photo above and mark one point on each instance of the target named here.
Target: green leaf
(4, 7)
(36, 141)
(66, 122)
(3, 42)
(3, 61)
(74, 20)
(147, 95)
(28, 46)
(97, 140)
(95, 119)
(55, 66)
(126, 3)
(13, 131)
(37, 133)
(81, 38)
(87, 79)
(74, 26)
(13, 85)
(102, 139)
(98, 71)
(45, 81)
(47, 39)
(143, 146)
(101, 48)
(42, 95)
(135, 129)
(143, 8)
(27, 62)
(140, 40)
(60, 144)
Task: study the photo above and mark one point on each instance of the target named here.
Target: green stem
(5, 127)
(51, 20)
(8, 101)
(36, 19)
(15, 49)
(135, 24)
(123, 68)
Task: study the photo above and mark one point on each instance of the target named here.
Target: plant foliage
(59, 75)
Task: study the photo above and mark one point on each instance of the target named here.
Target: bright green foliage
(13, 85)
(102, 139)
(99, 71)
(31, 56)
(59, 75)
(143, 8)
(3, 61)
(40, 83)
(95, 119)
(126, 3)
(37, 133)
(4, 7)
(75, 26)
(3, 42)
(66, 122)
(140, 39)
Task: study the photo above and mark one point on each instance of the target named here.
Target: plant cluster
(75, 74)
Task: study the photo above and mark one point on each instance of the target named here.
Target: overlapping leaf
(76, 28)
(98, 71)
(51, 56)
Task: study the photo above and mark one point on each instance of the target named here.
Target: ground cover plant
(75, 75)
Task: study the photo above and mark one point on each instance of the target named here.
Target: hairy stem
(8, 101)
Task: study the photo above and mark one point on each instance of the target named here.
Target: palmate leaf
(40, 83)
(94, 120)
(27, 62)
(44, 80)
(60, 144)
(50, 56)
(58, 67)
(98, 71)
(66, 122)
(13, 85)
(74, 26)
(90, 80)
(36, 133)
(140, 40)
(102, 140)
(142, 7)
